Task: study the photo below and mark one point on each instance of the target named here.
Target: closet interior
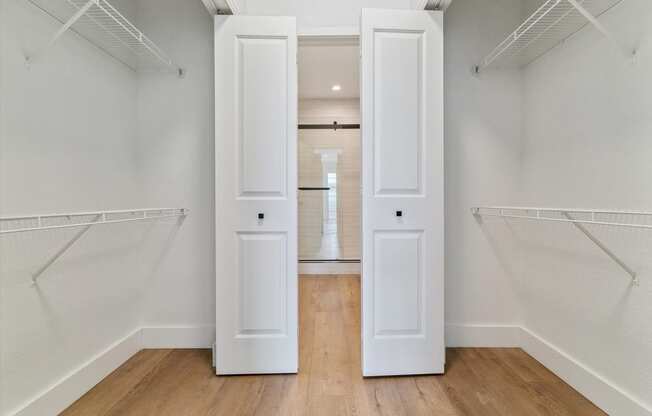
(308, 207)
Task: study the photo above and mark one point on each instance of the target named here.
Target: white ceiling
(323, 65)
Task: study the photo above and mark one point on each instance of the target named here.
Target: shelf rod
(600, 27)
(604, 248)
(99, 218)
(528, 217)
(87, 213)
(578, 223)
(179, 212)
(57, 227)
(558, 209)
(63, 29)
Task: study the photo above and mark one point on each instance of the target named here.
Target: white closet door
(403, 192)
(256, 194)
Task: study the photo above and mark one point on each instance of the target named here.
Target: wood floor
(481, 382)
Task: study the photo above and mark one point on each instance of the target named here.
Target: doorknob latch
(261, 215)
(399, 214)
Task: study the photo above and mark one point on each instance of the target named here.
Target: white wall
(482, 162)
(80, 131)
(175, 138)
(68, 143)
(586, 143)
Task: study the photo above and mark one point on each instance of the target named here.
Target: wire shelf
(103, 25)
(579, 218)
(25, 223)
(551, 24)
(628, 219)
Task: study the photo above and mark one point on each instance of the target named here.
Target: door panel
(403, 192)
(262, 65)
(263, 279)
(398, 285)
(256, 199)
(398, 105)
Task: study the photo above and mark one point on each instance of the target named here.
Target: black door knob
(399, 213)
(261, 216)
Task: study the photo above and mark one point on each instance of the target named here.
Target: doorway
(329, 202)
(257, 180)
(329, 206)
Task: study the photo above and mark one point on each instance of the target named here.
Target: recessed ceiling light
(336, 87)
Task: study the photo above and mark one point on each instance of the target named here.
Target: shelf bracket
(75, 17)
(63, 249)
(600, 27)
(604, 248)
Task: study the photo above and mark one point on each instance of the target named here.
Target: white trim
(78, 382)
(64, 392)
(601, 391)
(329, 268)
(200, 336)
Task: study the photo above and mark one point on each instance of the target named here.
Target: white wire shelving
(25, 223)
(582, 216)
(104, 26)
(549, 25)
(578, 218)
(84, 221)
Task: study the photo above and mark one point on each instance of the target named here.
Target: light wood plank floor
(481, 382)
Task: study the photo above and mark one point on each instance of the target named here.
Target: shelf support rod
(600, 27)
(604, 248)
(75, 17)
(65, 248)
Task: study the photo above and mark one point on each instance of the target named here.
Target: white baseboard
(329, 268)
(64, 392)
(602, 392)
(483, 336)
(201, 336)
